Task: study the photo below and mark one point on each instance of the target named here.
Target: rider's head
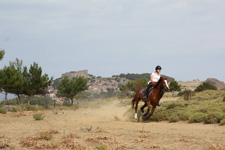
(158, 69)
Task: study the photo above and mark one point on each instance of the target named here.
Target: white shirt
(155, 77)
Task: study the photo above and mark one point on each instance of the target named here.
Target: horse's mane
(160, 80)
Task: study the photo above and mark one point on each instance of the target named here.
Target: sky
(109, 37)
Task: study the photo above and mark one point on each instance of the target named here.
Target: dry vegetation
(106, 125)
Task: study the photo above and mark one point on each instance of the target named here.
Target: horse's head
(164, 83)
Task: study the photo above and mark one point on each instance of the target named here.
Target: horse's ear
(165, 78)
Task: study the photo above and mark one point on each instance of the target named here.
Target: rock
(219, 84)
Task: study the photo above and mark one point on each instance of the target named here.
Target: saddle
(144, 91)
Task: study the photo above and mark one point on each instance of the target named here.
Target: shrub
(27, 107)
(181, 93)
(14, 109)
(171, 105)
(38, 116)
(101, 147)
(222, 122)
(197, 117)
(214, 117)
(174, 118)
(2, 111)
(205, 86)
(184, 115)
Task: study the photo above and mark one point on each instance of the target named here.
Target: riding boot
(147, 91)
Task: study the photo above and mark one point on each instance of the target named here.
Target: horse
(152, 99)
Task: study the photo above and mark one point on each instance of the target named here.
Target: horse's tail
(133, 101)
(135, 98)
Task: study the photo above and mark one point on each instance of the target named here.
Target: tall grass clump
(101, 147)
(2, 111)
(38, 116)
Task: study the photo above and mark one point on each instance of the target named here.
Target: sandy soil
(107, 125)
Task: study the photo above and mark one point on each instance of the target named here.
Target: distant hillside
(189, 85)
(219, 84)
(133, 76)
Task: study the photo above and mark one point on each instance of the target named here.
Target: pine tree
(34, 81)
(69, 88)
(9, 77)
(174, 86)
(2, 53)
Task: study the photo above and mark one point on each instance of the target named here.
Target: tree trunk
(17, 101)
(71, 101)
(54, 103)
(20, 102)
(28, 102)
(46, 102)
(5, 97)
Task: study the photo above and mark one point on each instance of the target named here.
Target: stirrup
(144, 98)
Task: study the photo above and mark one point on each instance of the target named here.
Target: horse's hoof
(144, 114)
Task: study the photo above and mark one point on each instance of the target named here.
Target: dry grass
(217, 146)
(69, 143)
(18, 114)
(36, 141)
(4, 142)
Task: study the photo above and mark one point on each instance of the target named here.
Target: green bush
(101, 147)
(173, 105)
(197, 117)
(174, 118)
(205, 86)
(214, 117)
(222, 122)
(2, 111)
(38, 116)
(183, 115)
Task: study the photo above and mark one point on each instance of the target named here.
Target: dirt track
(107, 125)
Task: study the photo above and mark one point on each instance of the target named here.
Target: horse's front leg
(142, 109)
(153, 109)
(149, 106)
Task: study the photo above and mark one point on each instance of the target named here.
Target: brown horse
(153, 98)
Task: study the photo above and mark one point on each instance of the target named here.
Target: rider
(154, 78)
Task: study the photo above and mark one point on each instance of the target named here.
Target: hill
(219, 84)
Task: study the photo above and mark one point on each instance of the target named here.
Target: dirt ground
(106, 126)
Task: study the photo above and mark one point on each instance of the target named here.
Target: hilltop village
(96, 84)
